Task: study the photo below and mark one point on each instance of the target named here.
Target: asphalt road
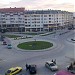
(62, 53)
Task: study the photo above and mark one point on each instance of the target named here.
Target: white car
(51, 65)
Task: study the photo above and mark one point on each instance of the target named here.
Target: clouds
(8, 1)
(41, 4)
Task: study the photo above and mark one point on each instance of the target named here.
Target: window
(12, 21)
(8, 25)
(45, 15)
(3, 22)
(49, 15)
(20, 18)
(52, 64)
(52, 15)
(2, 15)
(9, 71)
(49, 21)
(25, 22)
(11, 15)
(4, 25)
(45, 19)
(49, 18)
(25, 16)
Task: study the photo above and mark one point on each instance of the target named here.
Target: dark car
(32, 69)
(4, 43)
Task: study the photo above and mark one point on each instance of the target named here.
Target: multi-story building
(12, 19)
(47, 20)
(19, 19)
(74, 22)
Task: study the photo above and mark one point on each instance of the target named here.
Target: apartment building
(74, 21)
(21, 20)
(12, 19)
(47, 20)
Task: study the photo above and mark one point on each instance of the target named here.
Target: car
(32, 69)
(4, 43)
(63, 72)
(13, 71)
(51, 65)
(9, 46)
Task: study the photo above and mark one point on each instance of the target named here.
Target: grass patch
(34, 33)
(35, 45)
(45, 34)
(12, 36)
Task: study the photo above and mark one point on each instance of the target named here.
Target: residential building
(47, 20)
(21, 20)
(74, 22)
(12, 19)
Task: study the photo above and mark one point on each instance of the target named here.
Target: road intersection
(16, 57)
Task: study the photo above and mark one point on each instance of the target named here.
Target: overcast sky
(67, 5)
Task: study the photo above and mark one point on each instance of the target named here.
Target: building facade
(74, 21)
(47, 20)
(19, 19)
(12, 19)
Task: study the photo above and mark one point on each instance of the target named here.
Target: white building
(47, 20)
(74, 21)
(12, 18)
(19, 19)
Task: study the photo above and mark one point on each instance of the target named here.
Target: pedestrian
(29, 67)
(26, 66)
(74, 63)
(54, 61)
(70, 67)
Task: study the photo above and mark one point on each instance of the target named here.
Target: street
(63, 50)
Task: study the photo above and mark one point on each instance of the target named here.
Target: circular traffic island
(35, 45)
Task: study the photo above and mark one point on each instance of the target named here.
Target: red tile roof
(12, 9)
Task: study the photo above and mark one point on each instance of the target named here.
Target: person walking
(54, 61)
(27, 66)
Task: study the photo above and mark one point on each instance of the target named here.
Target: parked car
(9, 46)
(13, 71)
(63, 72)
(4, 43)
(32, 69)
(51, 65)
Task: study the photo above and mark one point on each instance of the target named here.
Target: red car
(63, 73)
(4, 43)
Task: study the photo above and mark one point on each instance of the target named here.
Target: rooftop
(12, 9)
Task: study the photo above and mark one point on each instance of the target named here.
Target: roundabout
(35, 45)
(19, 57)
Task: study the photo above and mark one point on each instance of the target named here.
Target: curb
(26, 40)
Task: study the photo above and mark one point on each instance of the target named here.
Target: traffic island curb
(47, 49)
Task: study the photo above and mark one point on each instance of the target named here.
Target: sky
(68, 5)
